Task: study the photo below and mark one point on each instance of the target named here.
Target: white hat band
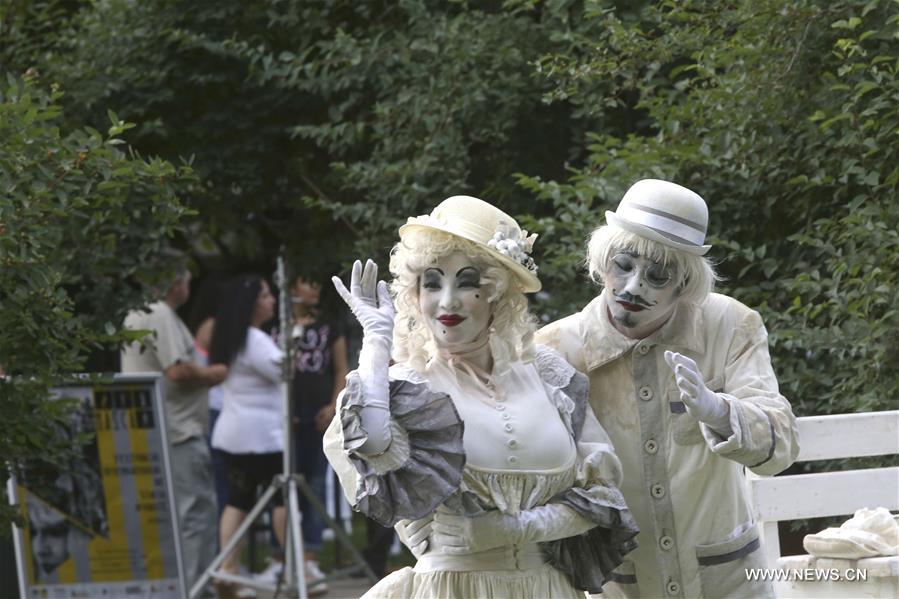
(665, 224)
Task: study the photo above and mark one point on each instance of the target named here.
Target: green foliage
(407, 103)
(80, 222)
(784, 117)
(322, 123)
(27, 28)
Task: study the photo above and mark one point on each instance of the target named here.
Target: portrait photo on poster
(101, 521)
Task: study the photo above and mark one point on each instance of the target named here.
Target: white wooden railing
(814, 495)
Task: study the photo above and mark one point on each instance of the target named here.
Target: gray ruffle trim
(578, 389)
(433, 470)
(587, 560)
(553, 369)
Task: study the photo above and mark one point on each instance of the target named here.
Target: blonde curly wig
(512, 328)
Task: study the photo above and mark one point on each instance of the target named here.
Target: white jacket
(684, 483)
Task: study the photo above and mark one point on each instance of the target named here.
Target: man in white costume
(681, 380)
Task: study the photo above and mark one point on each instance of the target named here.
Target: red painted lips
(450, 320)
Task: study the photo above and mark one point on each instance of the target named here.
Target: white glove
(700, 402)
(369, 301)
(414, 534)
(461, 534)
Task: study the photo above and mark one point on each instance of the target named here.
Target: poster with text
(103, 524)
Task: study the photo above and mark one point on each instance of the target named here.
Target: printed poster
(104, 524)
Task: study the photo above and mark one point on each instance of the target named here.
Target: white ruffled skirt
(544, 582)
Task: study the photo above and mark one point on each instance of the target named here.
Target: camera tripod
(292, 581)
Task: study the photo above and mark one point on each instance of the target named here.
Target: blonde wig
(512, 328)
(695, 275)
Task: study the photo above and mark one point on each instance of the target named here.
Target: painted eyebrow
(465, 268)
(436, 269)
(635, 254)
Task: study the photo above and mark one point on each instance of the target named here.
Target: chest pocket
(684, 428)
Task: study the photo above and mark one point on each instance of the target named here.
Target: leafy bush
(784, 117)
(80, 222)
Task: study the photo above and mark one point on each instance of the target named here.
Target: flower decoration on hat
(514, 245)
(436, 220)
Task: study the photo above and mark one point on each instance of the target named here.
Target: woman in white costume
(477, 445)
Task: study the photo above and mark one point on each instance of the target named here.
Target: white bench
(825, 494)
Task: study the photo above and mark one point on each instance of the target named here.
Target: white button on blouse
(540, 443)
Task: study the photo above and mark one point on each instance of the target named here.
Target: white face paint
(641, 294)
(453, 304)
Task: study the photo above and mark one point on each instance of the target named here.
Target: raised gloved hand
(370, 302)
(414, 534)
(461, 534)
(700, 401)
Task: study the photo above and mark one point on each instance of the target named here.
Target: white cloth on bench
(869, 533)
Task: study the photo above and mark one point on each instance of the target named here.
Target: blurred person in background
(249, 430)
(319, 375)
(202, 322)
(170, 349)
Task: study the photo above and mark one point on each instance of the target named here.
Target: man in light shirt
(170, 349)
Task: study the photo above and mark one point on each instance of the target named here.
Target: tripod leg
(294, 518)
(235, 539)
(338, 530)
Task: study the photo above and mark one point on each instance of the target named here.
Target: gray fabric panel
(554, 370)
(433, 471)
(677, 407)
(653, 419)
(773, 441)
(711, 560)
(588, 559)
(579, 391)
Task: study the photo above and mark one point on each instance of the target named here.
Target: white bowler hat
(486, 225)
(664, 212)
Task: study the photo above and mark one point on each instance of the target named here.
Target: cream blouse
(509, 425)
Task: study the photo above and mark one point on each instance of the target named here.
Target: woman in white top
(249, 430)
(478, 445)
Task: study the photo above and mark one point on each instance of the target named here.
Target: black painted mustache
(633, 299)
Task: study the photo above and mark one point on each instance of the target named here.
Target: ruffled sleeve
(589, 558)
(422, 466)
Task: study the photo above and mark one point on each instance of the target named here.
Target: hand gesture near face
(369, 301)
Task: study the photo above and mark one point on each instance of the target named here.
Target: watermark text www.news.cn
(806, 574)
